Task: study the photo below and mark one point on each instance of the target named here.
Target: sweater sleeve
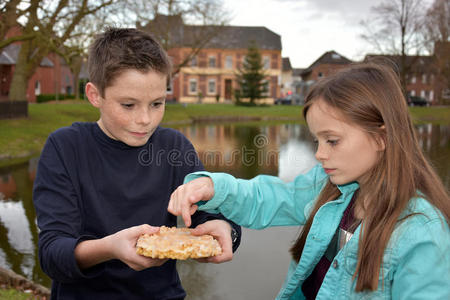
(58, 217)
(263, 201)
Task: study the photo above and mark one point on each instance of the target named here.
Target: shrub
(51, 97)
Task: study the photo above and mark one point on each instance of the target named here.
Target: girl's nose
(321, 154)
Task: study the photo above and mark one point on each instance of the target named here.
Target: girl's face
(346, 152)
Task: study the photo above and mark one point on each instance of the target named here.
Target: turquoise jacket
(416, 262)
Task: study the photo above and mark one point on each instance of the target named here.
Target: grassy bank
(7, 294)
(21, 138)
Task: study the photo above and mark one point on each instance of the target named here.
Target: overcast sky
(308, 28)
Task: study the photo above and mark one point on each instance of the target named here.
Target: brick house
(325, 65)
(286, 77)
(427, 75)
(53, 76)
(209, 76)
(421, 76)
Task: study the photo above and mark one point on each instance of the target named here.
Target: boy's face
(133, 106)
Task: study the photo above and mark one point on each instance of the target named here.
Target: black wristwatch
(234, 235)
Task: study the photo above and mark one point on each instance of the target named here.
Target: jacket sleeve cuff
(220, 183)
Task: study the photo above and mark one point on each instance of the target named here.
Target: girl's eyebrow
(325, 133)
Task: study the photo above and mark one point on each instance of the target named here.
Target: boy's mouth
(139, 134)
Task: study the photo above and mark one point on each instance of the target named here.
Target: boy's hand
(221, 231)
(183, 199)
(123, 247)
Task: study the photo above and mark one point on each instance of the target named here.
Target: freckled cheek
(122, 119)
(156, 117)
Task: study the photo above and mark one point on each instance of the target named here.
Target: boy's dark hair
(119, 49)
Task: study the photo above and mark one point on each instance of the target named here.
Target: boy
(99, 185)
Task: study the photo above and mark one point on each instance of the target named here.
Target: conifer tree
(251, 77)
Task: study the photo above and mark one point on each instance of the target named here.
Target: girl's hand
(183, 199)
(123, 247)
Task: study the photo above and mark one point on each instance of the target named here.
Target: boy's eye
(157, 104)
(127, 105)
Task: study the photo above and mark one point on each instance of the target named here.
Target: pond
(260, 264)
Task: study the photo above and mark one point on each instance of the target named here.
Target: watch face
(234, 235)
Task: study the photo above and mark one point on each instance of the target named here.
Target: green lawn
(12, 294)
(20, 138)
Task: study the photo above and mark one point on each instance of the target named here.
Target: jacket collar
(348, 188)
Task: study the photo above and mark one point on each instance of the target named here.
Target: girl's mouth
(328, 171)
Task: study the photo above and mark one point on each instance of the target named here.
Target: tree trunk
(24, 69)
(19, 83)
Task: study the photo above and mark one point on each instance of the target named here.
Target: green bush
(50, 97)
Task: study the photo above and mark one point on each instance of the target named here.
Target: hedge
(50, 97)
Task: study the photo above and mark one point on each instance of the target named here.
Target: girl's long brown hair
(369, 95)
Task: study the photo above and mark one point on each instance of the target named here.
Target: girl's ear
(381, 138)
(93, 95)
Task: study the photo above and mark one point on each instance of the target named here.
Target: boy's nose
(143, 117)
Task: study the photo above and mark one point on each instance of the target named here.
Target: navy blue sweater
(89, 186)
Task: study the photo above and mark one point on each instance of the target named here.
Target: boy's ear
(93, 94)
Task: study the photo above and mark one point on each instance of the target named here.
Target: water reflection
(259, 268)
(18, 230)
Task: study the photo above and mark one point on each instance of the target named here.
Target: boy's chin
(136, 142)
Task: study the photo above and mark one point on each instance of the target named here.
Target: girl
(375, 215)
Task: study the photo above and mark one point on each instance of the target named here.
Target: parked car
(417, 101)
(283, 101)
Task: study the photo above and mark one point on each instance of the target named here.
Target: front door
(228, 89)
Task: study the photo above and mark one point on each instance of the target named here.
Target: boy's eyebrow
(137, 100)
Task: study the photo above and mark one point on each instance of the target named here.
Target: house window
(413, 79)
(194, 61)
(193, 86)
(335, 56)
(320, 75)
(212, 86)
(431, 95)
(212, 61)
(424, 78)
(169, 89)
(422, 93)
(228, 62)
(37, 88)
(267, 85)
(413, 93)
(266, 62)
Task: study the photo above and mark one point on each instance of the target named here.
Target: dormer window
(335, 56)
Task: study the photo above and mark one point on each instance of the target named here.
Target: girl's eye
(126, 105)
(333, 142)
